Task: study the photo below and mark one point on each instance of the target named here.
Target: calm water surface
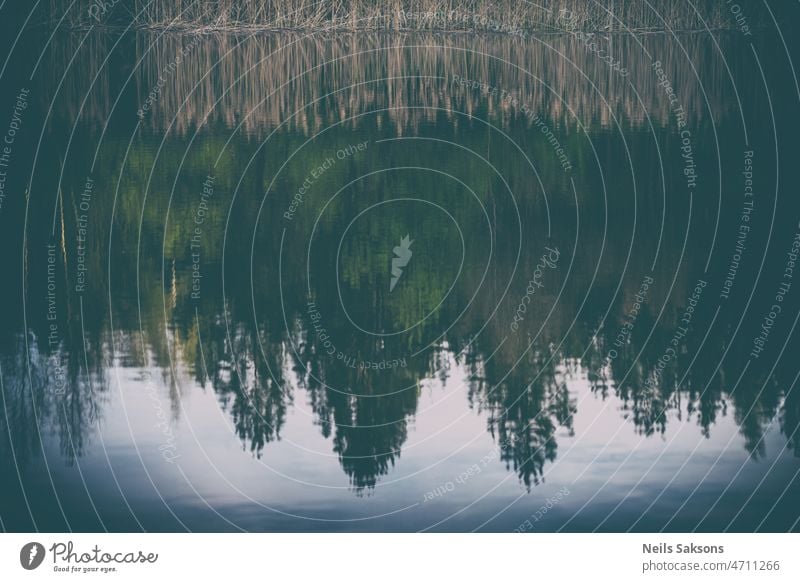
(399, 283)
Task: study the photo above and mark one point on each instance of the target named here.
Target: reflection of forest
(256, 373)
(260, 353)
(260, 350)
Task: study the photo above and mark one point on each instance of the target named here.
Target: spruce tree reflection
(242, 344)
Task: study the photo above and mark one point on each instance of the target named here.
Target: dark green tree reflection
(304, 308)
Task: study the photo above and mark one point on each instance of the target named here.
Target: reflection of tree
(754, 410)
(368, 428)
(524, 412)
(255, 395)
(790, 418)
(365, 413)
(238, 344)
(687, 388)
(18, 418)
(35, 403)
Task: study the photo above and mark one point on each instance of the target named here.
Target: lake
(401, 282)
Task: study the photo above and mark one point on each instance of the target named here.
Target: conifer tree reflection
(525, 408)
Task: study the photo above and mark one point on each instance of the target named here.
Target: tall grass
(262, 80)
(507, 16)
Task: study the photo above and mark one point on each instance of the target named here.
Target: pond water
(284, 282)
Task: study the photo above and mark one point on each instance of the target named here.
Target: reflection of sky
(209, 485)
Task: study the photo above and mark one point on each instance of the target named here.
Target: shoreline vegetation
(293, 69)
(511, 17)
